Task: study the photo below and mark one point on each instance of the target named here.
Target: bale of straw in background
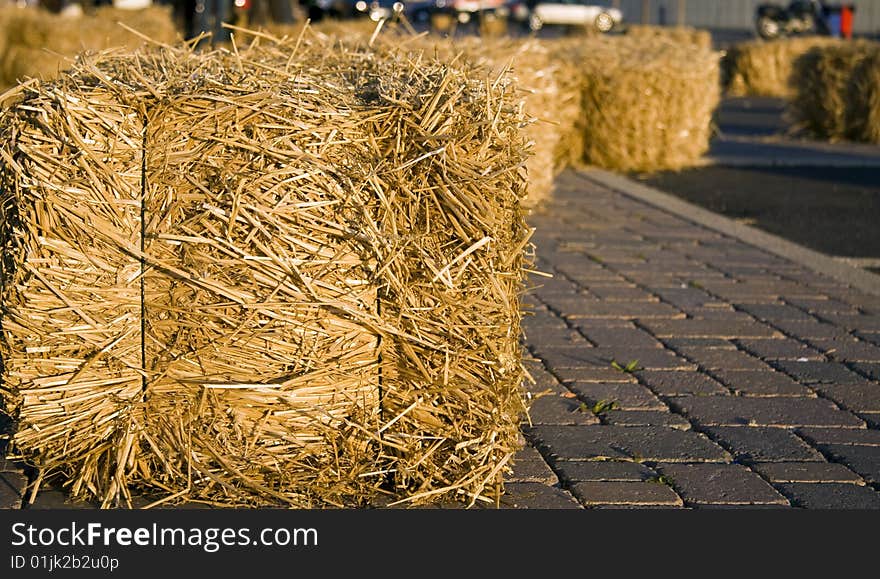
(831, 98)
(646, 106)
(684, 34)
(864, 105)
(265, 277)
(40, 44)
(530, 63)
(764, 68)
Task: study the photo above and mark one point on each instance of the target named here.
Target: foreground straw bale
(265, 278)
(646, 106)
(40, 44)
(695, 37)
(764, 68)
(838, 92)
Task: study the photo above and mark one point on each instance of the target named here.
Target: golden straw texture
(282, 275)
(837, 92)
(37, 43)
(645, 106)
(764, 68)
(695, 37)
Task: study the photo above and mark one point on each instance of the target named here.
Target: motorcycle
(800, 17)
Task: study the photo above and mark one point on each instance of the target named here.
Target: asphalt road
(823, 196)
(829, 209)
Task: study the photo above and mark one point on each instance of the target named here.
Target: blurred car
(378, 10)
(537, 13)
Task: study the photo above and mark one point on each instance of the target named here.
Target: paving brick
(720, 315)
(818, 305)
(864, 460)
(766, 383)
(594, 374)
(615, 293)
(631, 337)
(753, 444)
(528, 495)
(678, 383)
(869, 369)
(872, 337)
(781, 349)
(773, 312)
(551, 337)
(806, 472)
(686, 297)
(727, 314)
(677, 343)
(647, 418)
(708, 329)
(625, 493)
(12, 486)
(863, 437)
(529, 466)
(819, 372)
(728, 484)
(799, 329)
(556, 285)
(655, 443)
(558, 357)
(848, 350)
(544, 381)
(717, 359)
(831, 496)
(856, 397)
(857, 322)
(541, 317)
(747, 411)
(556, 409)
(574, 309)
(626, 396)
(871, 418)
(603, 471)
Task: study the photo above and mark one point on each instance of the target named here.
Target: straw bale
(281, 275)
(40, 44)
(764, 68)
(527, 61)
(864, 110)
(531, 65)
(835, 91)
(646, 106)
(684, 34)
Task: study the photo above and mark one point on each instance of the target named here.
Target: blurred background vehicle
(537, 13)
(799, 17)
(377, 10)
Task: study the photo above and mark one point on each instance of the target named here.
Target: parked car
(799, 17)
(537, 13)
(380, 9)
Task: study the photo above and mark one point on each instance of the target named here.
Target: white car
(569, 12)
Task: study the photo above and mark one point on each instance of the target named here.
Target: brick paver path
(755, 380)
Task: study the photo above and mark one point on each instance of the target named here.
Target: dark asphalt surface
(834, 210)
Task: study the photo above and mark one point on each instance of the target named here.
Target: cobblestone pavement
(753, 380)
(742, 379)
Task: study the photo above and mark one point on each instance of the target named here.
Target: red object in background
(846, 22)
